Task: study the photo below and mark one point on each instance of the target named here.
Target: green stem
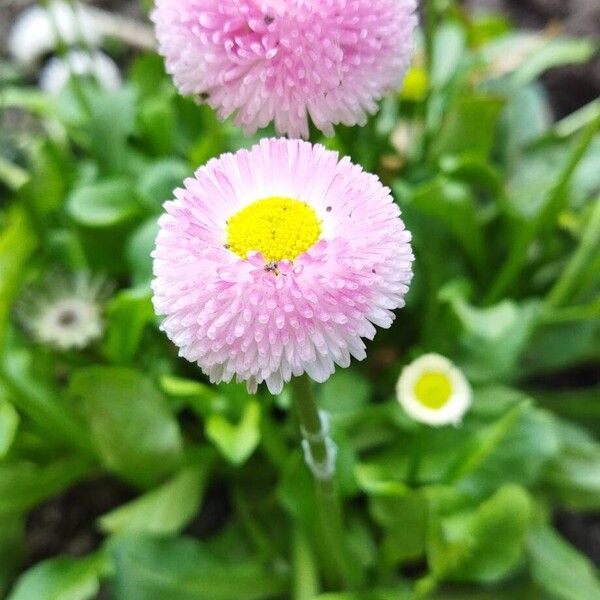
(306, 585)
(318, 449)
(429, 30)
(567, 282)
(571, 314)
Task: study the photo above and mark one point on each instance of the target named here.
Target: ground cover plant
(211, 496)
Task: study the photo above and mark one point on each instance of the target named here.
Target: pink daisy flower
(278, 260)
(282, 60)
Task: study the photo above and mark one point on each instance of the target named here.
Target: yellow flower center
(433, 390)
(279, 228)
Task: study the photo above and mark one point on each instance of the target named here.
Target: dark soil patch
(66, 524)
(582, 530)
(569, 87)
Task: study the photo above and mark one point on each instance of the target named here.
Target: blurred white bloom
(59, 69)
(433, 391)
(39, 29)
(64, 312)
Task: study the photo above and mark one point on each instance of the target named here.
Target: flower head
(41, 29)
(281, 61)
(433, 391)
(64, 312)
(278, 260)
(59, 70)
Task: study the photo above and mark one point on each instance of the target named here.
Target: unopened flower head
(283, 61)
(64, 311)
(278, 260)
(39, 30)
(433, 391)
(78, 63)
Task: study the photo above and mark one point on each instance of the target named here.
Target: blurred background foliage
(124, 474)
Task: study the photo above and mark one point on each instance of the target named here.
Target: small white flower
(64, 312)
(39, 29)
(59, 69)
(434, 391)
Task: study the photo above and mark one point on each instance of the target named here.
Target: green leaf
(574, 474)
(11, 175)
(448, 50)
(128, 313)
(135, 433)
(561, 346)
(560, 570)
(527, 117)
(61, 579)
(346, 391)
(17, 243)
(165, 510)
(586, 179)
(484, 545)
(474, 171)
(49, 180)
(202, 398)
(532, 177)
(147, 74)
(24, 484)
(139, 247)
(12, 538)
(375, 478)
(393, 594)
(405, 521)
(112, 122)
(31, 396)
(514, 449)
(493, 339)
(452, 204)
(470, 126)
(183, 569)
(103, 204)
(236, 442)
(156, 119)
(157, 181)
(555, 53)
(9, 422)
(524, 56)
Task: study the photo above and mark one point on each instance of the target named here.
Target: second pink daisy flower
(286, 60)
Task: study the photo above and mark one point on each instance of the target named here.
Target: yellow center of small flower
(433, 390)
(279, 228)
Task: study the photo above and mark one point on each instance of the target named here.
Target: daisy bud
(433, 391)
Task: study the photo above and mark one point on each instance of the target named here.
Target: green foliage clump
(504, 207)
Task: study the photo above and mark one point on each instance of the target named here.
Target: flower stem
(319, 450)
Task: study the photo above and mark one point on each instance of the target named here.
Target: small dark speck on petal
(269, 19)
(328, 209)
